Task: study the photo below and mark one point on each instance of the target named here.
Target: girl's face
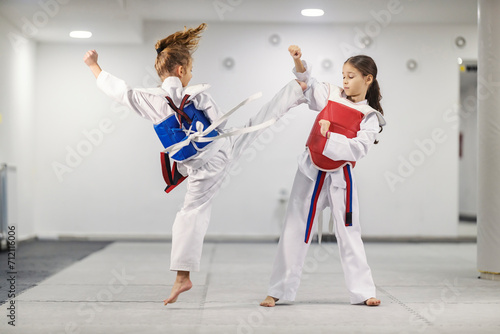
(355, 84)
(185, 73)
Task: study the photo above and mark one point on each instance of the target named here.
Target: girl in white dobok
(346, 127)
(178, 112)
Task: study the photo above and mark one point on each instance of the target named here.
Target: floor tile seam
(18, 294)
(274, 326)
(207, 279)
(410, 310)
(425, 286)
(97, 301)
(475, 302)
(101, 284)
(54, 271)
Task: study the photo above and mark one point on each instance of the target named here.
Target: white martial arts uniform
(292, 248)
(206, 170)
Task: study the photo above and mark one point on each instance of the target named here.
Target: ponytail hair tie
(159, 50)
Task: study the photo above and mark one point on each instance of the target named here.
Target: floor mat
(39, 259)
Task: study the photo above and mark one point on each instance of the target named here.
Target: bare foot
(269, 301)
(302, 84)
(372, 302)
(182, 284)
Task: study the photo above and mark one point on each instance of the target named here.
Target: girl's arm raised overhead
(147, 105)
(296, 54)
(90, 59)
(316, 92)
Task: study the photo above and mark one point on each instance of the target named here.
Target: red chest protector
(345, 121)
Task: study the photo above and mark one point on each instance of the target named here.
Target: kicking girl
(178, 112)
(343, 132)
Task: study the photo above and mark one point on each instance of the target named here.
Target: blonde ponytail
(177, 49)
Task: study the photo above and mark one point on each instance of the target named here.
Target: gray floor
(36, 260)
(424, 288)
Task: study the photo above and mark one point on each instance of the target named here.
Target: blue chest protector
(178, 126)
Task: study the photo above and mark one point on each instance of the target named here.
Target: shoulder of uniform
(381, 119)
(153, 91)
(335, 92)
(194, 90)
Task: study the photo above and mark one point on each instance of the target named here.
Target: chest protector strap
(188, 131)
(171, 174)
(178, 126)
(174, 129)
(180, 111)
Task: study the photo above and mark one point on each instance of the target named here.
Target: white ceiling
(121, 21)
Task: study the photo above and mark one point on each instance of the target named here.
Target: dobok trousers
(292, 249)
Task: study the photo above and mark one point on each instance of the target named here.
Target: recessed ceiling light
(80, 34)
(312, 12)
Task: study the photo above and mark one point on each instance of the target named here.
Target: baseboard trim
(255, 238)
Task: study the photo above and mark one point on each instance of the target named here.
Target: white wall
(17, 124)
(408, 184)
